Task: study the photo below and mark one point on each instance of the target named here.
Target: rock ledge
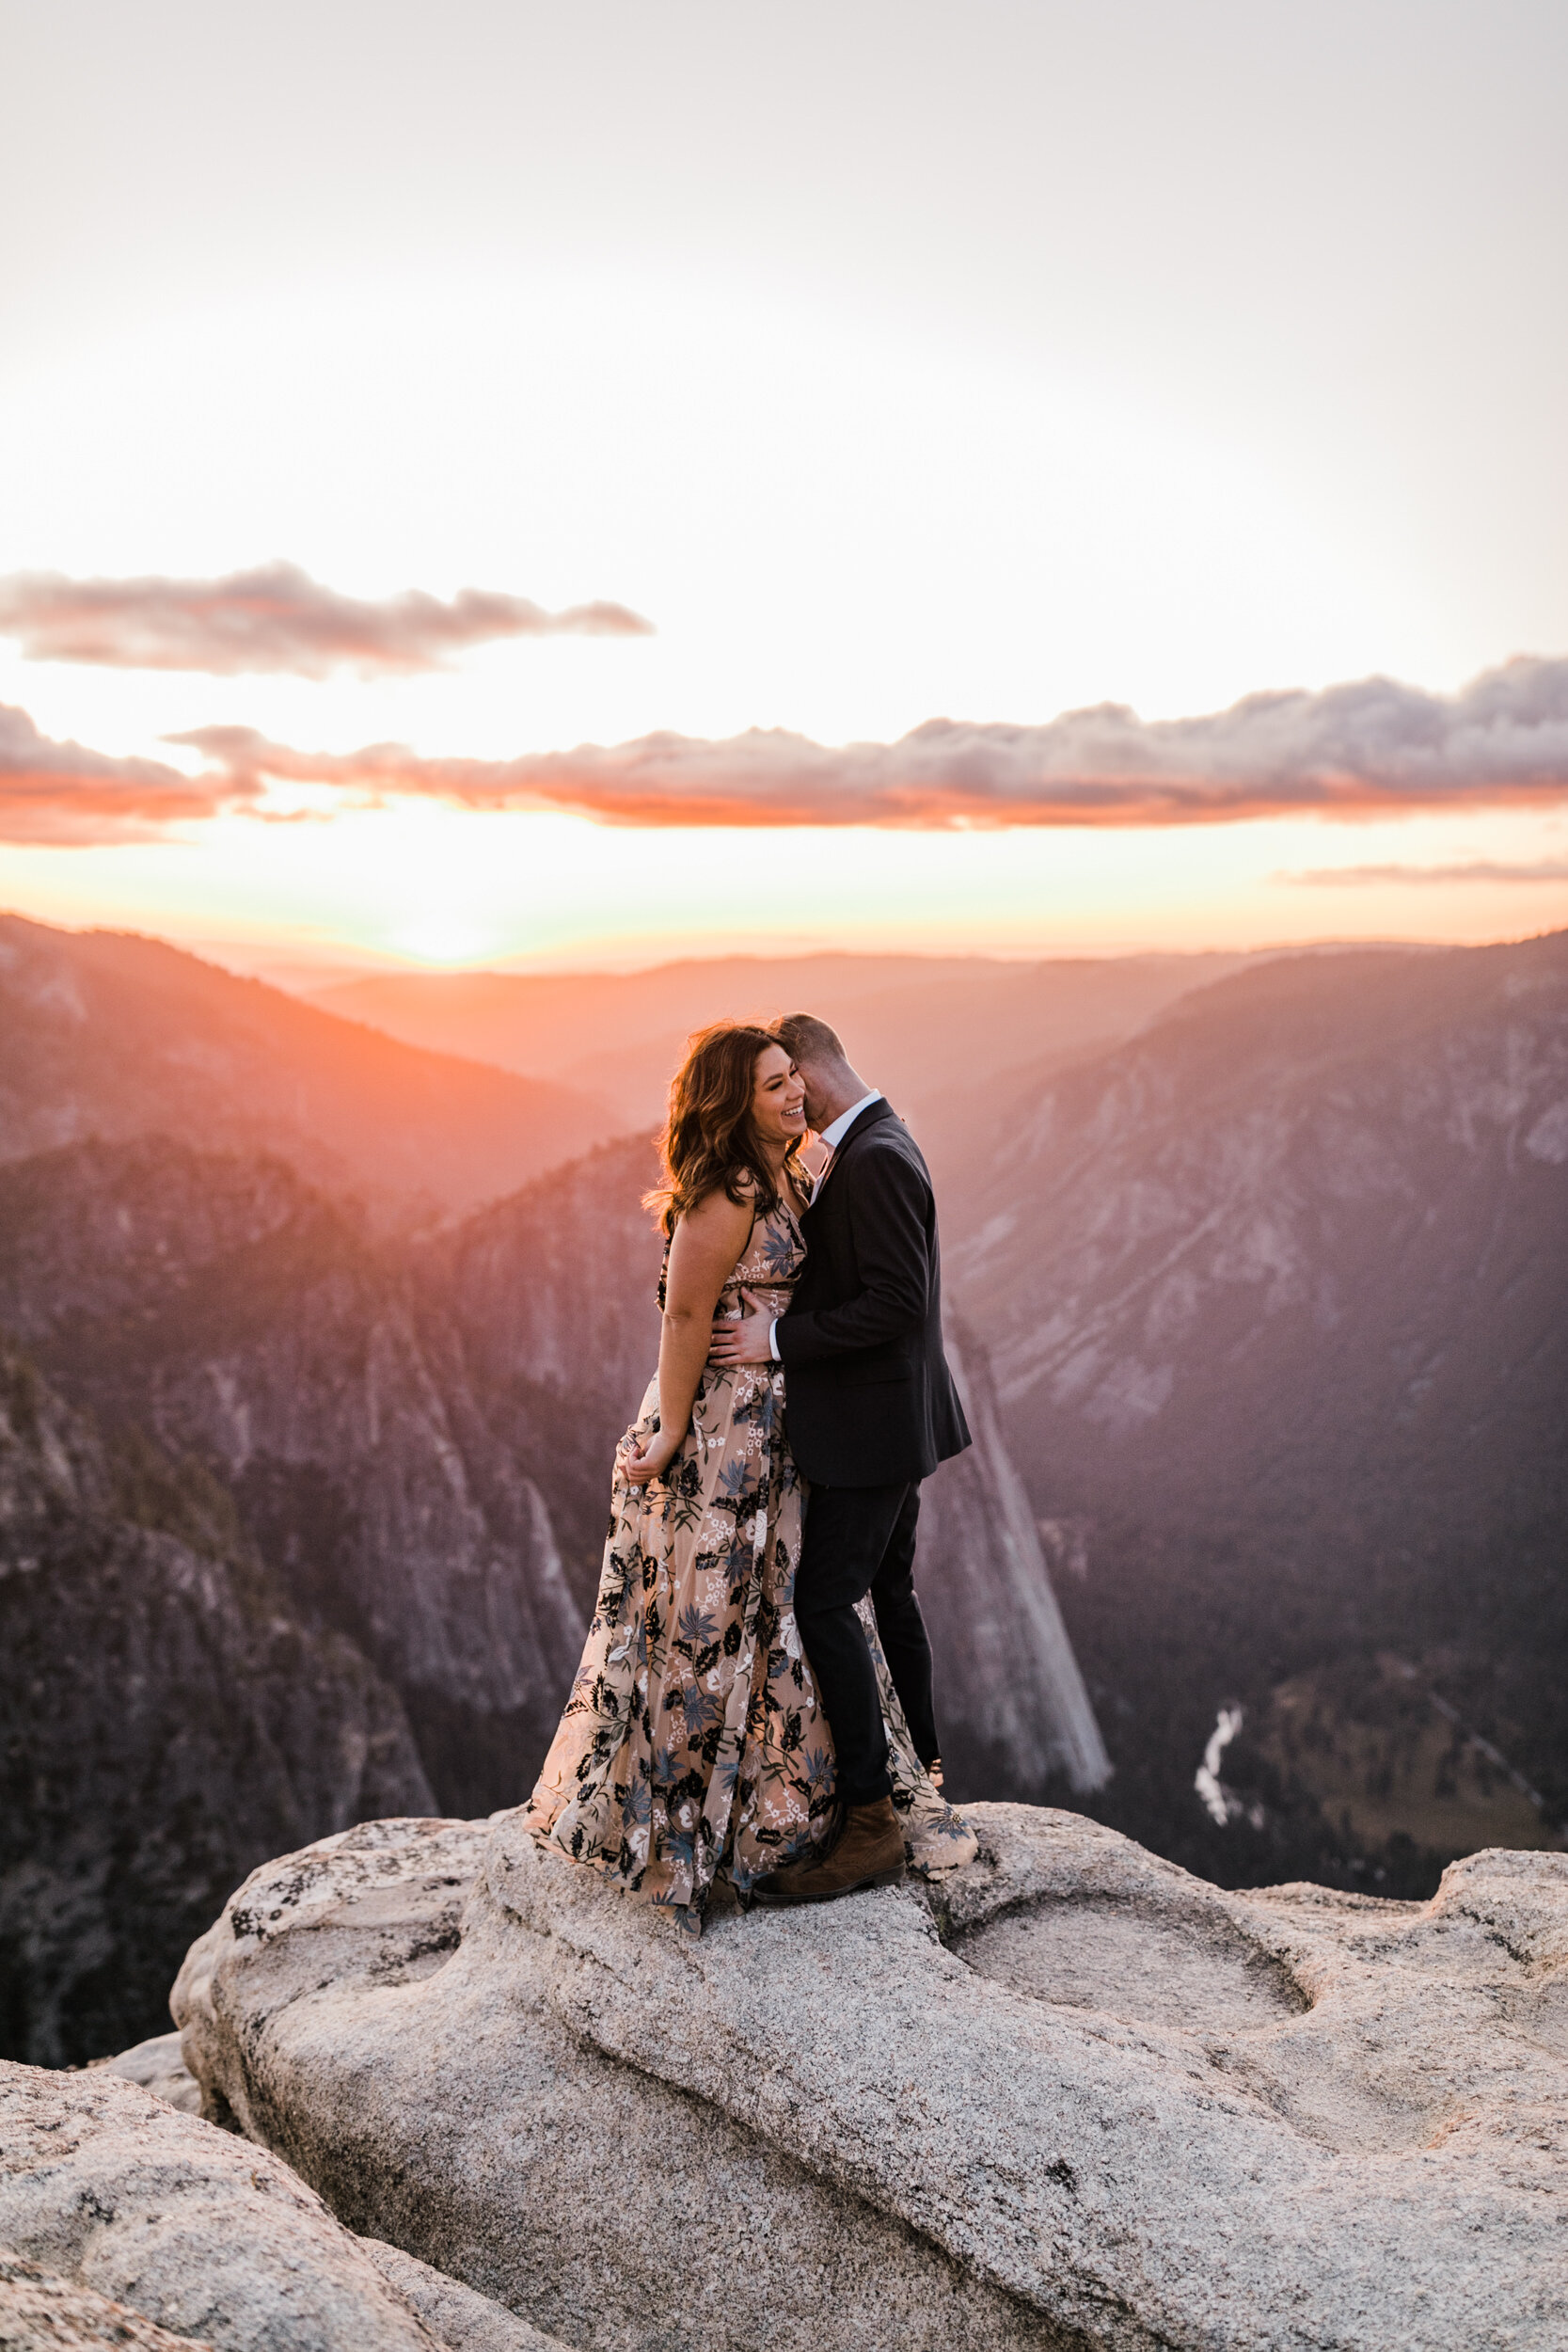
(1073, 2097)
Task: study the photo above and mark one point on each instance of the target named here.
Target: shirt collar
(833, 1134)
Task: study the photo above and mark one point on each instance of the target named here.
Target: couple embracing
(755, 1696)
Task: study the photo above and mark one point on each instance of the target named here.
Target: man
(872, 1411)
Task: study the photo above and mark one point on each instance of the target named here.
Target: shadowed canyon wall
(168, 1722)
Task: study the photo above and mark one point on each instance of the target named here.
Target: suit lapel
(870, 1117)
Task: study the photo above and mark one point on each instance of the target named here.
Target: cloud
(59, 792)
(1546, 869)
(275, 618)
(1375, 748)
(1368, 749)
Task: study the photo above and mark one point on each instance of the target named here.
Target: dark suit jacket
(869, 1397)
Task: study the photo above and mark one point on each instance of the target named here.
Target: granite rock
(1073, 2097)
(111, 2190)
(465, 2322)
(158, 2064)
(41, 2313)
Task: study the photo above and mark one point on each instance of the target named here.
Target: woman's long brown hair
(709, 1141)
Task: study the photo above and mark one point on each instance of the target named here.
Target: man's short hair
(806, 1039)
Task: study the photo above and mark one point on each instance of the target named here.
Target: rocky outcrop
(41, 2313)
(1074, 2098)
(464, 2321)
(167, 1721)
(1012, 1707)
(106, 2187)
(127, 2216)
(159, 2065)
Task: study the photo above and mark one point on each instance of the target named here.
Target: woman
(692, 1741)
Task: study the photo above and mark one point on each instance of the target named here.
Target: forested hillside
(170, 1720)
(1277, 1294)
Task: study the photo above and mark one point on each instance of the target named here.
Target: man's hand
(742, 1341)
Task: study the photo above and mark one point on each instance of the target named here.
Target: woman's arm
(707, 1245)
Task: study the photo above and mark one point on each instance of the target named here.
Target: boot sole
(830, 1894)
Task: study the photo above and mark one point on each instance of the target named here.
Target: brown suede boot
(868, 1851)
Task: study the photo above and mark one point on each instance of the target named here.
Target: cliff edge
(1071, 2096)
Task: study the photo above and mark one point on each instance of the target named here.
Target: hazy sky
(895, 362)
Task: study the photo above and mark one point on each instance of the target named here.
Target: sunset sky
(829, 371)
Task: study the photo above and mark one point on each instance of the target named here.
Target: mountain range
(105, 1034)
(1257, 1293)
(922, 1025)
(403, 1439)
(1277, 1298)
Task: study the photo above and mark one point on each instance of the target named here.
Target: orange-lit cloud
(276, 618)
(1375, 748)
(59, 792)
(1543, 870)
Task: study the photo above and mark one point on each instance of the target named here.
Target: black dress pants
(859, 1540)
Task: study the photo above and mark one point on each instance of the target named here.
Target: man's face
(816, 1098)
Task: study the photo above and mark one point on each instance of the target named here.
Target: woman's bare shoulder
(717, 1215)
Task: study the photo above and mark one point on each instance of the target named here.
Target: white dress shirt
(833, 1136)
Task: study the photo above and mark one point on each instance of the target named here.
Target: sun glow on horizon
(879, 413)
(416, 883)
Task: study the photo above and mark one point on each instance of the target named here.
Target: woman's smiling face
(778, 1099)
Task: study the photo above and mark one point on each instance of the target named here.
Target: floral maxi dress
(692, 1742)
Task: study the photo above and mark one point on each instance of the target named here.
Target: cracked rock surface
(1073, 2097)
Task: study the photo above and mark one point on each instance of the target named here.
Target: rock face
(41, 2313)
(1277, 1298)
(159, 2065)
(405, 1428)
(465, 2322)
(1013, 1710)
(1300, 1215)
(167, 1722)
(238, 1317)
(1078, 2098)
(105, 2187)
(132, 2219)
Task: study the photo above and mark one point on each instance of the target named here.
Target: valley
(1257, 1286)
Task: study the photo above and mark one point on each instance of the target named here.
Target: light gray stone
(41, 2313)
(1073, 2096)
(159, 2066)
(465, 2322)
(104, 2185)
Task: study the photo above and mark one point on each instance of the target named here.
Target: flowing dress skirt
(692, 1742)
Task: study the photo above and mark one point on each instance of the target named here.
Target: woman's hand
(651, 1459)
